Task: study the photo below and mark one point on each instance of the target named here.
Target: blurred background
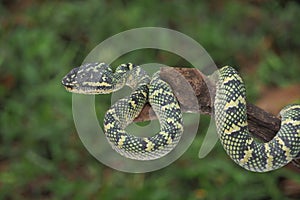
(41, 155)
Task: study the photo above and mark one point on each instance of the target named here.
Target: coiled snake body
(232, 127)
(229, 112)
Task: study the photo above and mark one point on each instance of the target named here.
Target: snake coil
(232, 127)
(99, 78)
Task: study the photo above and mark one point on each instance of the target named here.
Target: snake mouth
(80, 90)
(68, 88)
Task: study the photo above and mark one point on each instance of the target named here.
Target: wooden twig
(190, 82)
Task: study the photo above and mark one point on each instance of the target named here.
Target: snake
(99, 78)
(229, 111)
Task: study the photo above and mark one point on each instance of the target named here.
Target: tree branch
(262, 124)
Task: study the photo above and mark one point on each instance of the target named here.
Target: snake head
(89, 78)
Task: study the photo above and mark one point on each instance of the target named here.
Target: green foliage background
(41, 155)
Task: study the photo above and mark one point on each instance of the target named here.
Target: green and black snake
(99, 78)
(229, 112)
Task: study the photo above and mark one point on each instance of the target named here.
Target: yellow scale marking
(249, 141)
(270, 158)
(235, 103)
(170, 120)
(247, 156)
(234, 128)
(295, 106)
(157, 92)
(150, 145)
(121, 141)
(286, 149)
(290, 121)
(95, 84)
(144, 94)
(168, 106)
(108, 126)
(133, 104)
(167, 137)
(231, 78)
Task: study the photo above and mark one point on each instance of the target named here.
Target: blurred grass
(41, 156)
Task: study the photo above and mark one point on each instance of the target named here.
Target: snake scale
(229, 112)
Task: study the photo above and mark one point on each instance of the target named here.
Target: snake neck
(131, 75)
